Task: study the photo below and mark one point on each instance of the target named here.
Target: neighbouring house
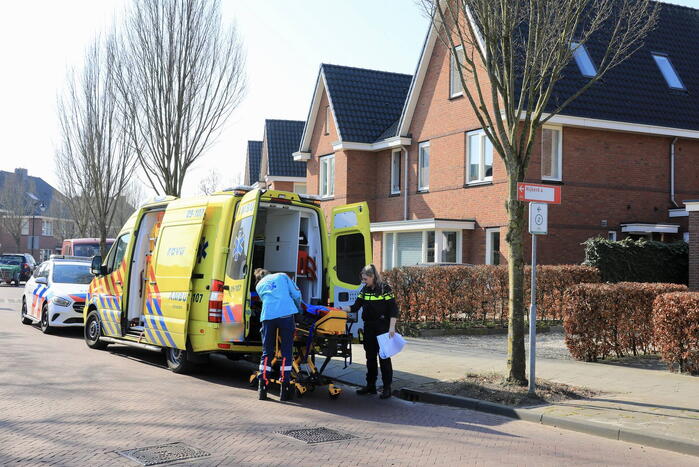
(31, 211)
(277, 168)
(626, 153)
(252, 163)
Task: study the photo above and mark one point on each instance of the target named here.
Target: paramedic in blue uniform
(281, 300)
(380, 313)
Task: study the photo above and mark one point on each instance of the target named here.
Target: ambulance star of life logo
(239, 244)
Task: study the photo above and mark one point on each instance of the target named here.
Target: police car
(55, 294)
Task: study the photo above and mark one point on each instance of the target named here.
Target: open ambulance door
(167, 308)
(237, 313)
(349, 252)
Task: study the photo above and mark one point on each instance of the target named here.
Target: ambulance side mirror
(96, 266)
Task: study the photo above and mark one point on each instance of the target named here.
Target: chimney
(21, 173)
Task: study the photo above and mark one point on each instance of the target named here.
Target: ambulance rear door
(349, 252)
(236, 319)
(175, 255)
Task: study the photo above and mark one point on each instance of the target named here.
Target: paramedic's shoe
(366, 390)
(262, 390)
(285, 392)
(386, 393)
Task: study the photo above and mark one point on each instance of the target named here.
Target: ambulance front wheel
(93, 331)
(178, 361)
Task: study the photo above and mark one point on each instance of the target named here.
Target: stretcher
(320, 331)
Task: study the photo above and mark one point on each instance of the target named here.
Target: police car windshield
(12, 260)
(86, 249)
(72, 274)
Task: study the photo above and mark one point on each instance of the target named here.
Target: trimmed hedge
(638, 260)
(477, 293)
(601, 320)
(676, 322)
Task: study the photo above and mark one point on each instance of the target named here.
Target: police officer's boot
(285, 392)
(262, 389)
(386, 393)
(368, 389)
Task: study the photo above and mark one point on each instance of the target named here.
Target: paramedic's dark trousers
(286, 327)
(371, 347)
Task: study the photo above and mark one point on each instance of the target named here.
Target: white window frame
(455, 86)
(296, 187)
(559, 153)
(583, 59)
(669, 72)
(46, 228)
(489, 244)
(396, 174)
(611, 235)
(326, 176)
(25, 227)
(438, 246)
(421, 185)
(327, 120)
(481, 156)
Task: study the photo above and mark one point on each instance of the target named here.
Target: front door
(107, 292)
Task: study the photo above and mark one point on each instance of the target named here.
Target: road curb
(592, 428)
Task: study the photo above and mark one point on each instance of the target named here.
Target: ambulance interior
(146, 237)
(287, 239)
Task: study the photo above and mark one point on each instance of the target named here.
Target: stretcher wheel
(333, 391)
(254, 379)
(334, 396)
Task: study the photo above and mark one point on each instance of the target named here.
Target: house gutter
(672, 171)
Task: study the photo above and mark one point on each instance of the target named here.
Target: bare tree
(15, 206)
(74, 200)
(211, 183)
(131, 199)
(510, 55)
(95, 159)
(182, 75)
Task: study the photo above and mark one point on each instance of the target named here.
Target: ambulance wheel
(93, 331)
(178, 361)
(25, 320)
(44, 323)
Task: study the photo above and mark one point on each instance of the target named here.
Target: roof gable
(282, 138)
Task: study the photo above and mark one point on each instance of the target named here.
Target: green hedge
(638, 260)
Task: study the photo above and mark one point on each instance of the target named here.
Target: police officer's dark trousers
(371, 347)
(286, 327)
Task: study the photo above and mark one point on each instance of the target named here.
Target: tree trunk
(516, 362)
(103, 239)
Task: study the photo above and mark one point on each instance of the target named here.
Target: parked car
(55, 295)
(16, 267)
(85, 247)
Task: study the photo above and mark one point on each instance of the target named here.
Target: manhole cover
(316, 435)
(163, 453)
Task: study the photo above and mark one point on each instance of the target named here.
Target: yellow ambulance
(178, 276)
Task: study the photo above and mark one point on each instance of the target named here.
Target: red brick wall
(281, 186)
(694, 250)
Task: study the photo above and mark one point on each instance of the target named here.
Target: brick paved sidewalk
(654, 401)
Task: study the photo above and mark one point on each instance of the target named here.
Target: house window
(492, 246)
(423, 176)
(327, 176)
(425, 246)
(455, 86)
(395, 172)
(685, 237)
(480, 157)
(300, 188)
(47, 228)
(44, 254)
(669, 73)
(582, 58)
(327, 120)
(551, 154)
(25, 227)
(611, 235)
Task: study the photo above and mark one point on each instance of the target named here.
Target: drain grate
(163, 454)
(316, 435)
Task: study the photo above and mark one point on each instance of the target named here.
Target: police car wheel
(44, 323)
(177, 360)
(25, 320)
(93, 331)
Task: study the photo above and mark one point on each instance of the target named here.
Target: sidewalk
(653, 401)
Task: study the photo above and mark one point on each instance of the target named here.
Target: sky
(285, 42)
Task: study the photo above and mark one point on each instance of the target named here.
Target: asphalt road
(63, 404)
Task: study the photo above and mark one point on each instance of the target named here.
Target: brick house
(626, 153)
(39, 233)
(270, 163)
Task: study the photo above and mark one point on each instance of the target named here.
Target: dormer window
(669, 73)
(582, 58)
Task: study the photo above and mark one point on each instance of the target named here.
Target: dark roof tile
(283, 138)
(254, 158)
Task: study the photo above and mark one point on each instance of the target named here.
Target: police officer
(281, 300)
(380, 314)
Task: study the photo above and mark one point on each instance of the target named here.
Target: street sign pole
(532, 321)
